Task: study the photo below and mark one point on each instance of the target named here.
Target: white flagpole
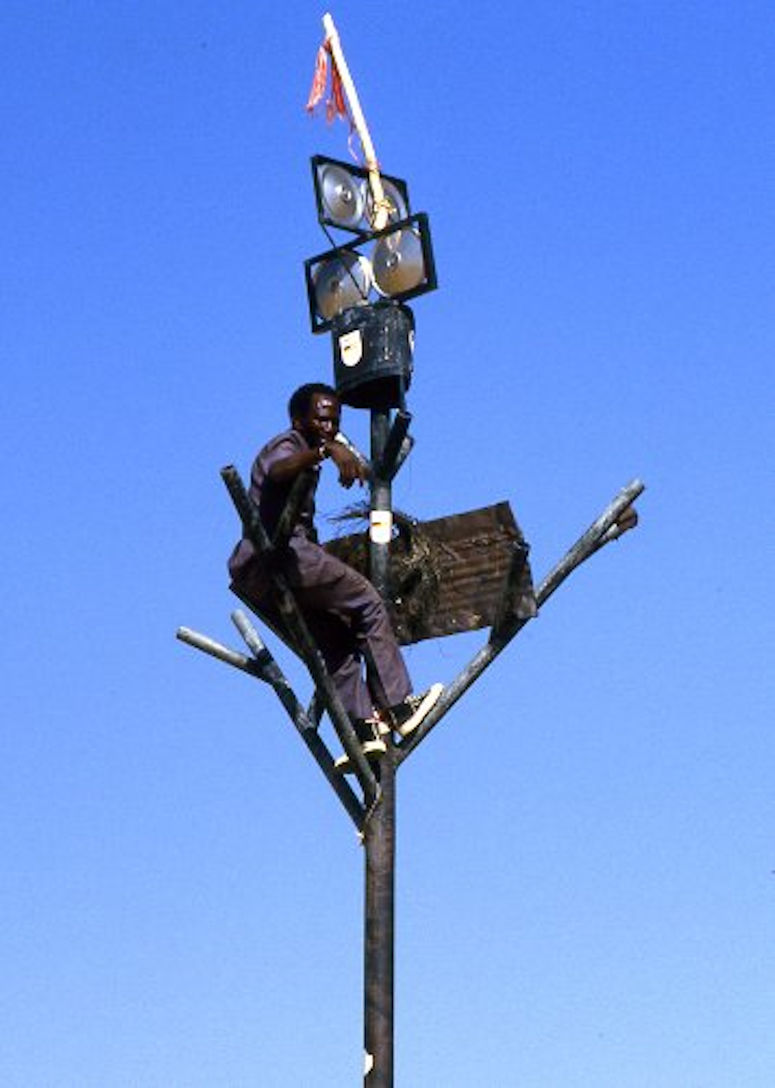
(381, 204)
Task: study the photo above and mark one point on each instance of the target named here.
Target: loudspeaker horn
(341, 195)
(342, 282)
(398, 262)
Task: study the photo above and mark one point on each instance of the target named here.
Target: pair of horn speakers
(395, 263)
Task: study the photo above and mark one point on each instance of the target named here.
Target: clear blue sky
(586, 845)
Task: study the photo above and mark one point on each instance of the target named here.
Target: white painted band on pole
(381, 526)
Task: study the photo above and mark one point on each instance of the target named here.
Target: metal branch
(216, 649)
(591, 541)
(301, 637)
(587, 544)
(387, 467)
(263, 667)
(273, 675)
(296, 498)
(513, 605)
(404, 450)
(316, 708)
(270, 671)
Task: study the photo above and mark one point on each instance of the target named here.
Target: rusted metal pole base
(379, 835)
(380, 843)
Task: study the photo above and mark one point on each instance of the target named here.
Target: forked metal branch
(300, 635)
(617, 518)
(263, 666)
(587, 544)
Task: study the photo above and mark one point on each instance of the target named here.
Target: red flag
(336, 105)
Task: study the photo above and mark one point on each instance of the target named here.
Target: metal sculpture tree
(381, 387)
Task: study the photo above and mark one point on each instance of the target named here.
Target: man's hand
(349, 466)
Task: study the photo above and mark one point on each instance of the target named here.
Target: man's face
(321, 422)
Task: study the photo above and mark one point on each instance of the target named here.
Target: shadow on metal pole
(379, 836)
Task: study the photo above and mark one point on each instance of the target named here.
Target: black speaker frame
(361, 172)
(419, 220)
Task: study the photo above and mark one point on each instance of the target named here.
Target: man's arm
(350, 468)
(286, 469)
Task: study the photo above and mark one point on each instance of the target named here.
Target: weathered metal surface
(447, 575)
(585, 546)
(379, 835)
(379, 839)
(263, 667)
(473, 566)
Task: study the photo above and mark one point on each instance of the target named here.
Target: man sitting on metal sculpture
(343, 611)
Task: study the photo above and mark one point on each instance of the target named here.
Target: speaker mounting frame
(362, 202)
(418, 223)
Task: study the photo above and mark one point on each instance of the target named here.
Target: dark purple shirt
(270, 498)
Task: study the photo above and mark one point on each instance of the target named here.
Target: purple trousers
(345, 615)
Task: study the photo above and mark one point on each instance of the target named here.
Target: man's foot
(382, 727)
(370, 732)
(372, 749)
(415, 709)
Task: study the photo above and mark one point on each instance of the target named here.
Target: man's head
(314, 411)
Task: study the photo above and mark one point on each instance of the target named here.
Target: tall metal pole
(376, 815)
(380, 829)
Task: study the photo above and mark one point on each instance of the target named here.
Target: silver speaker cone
(340, 283)
(398, 262)
(342, 196)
